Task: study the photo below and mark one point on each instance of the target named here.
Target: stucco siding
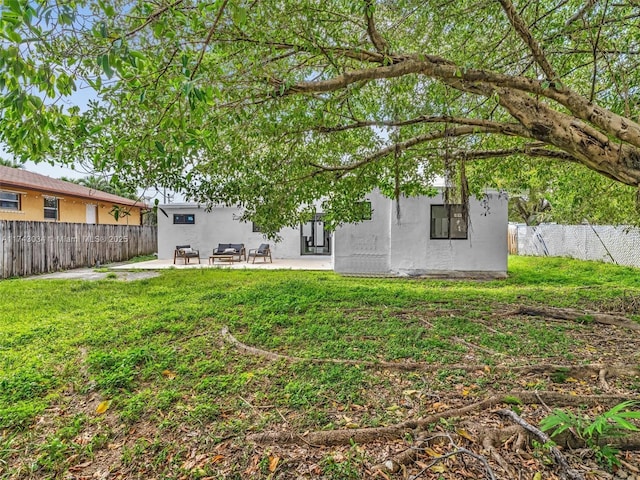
(364, 247)
(405, 239)
(70, 209)
(383, 245)
(220, 225)
(485, 249)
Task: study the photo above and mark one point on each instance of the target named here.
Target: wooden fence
(29, 248)
(512, 240)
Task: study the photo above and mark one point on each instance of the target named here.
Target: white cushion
(230, 250)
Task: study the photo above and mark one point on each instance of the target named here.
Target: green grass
(153, 348)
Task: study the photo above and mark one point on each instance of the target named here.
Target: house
(429, 238)
(192, 224)
(30, 196)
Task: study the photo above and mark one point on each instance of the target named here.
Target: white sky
(57, 171)
(53, 171)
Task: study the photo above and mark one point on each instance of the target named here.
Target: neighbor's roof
(19, 178)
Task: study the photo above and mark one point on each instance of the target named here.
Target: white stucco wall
(388, 245)
(384, 245)
(364, 247)
(220, 225)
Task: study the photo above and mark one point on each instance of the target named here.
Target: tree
(109, 185)
(273, 105)
(10, 163)
(105, 184)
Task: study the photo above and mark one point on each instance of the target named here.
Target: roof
(19, 178)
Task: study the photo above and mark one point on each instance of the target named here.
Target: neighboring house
(429, 238)
(30, 196)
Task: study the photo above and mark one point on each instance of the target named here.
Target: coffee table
(222, 258)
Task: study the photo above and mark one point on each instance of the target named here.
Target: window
(364, 210)
(9, 201)
(448, 222)
(184, 219)
(255, 227)
(51, 208)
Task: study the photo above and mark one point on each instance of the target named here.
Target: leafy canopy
(275, 104)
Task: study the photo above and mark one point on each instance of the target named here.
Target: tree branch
(427, 137)
(208, 39)
(376, 39)
(595, 53)
(411, 121)
(580, 139)
(353, 76)
(481, 82)
(528, 150)
(525, 34)
(152, 17)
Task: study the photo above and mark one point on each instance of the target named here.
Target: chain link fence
(611, 244)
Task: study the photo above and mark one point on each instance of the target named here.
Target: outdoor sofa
(232, 250)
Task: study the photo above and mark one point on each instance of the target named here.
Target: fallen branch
(579, 316)
(459, 451)
(491, 439)
(408, 456)
(566, 471)
(577, 371)
(367, 435)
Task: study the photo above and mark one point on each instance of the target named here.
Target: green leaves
(609, 423)
(269, 91)
(560, 421)
(104, 62)
(613, 422)
(239, 14)
(614, 419)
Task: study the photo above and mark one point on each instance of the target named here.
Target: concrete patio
(309, 263)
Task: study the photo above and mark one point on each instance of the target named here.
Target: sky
(53, 171)
(58, 171)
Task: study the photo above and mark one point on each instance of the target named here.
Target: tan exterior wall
(70, 209)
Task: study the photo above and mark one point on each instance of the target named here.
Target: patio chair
(263, 251)
(185, 252)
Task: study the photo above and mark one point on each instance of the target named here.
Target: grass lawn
(112, 379)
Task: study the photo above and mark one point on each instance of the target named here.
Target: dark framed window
(364, 210)
(51, 208)
(9, 201)
(184, 219)
(255, 227)
(448, 222)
